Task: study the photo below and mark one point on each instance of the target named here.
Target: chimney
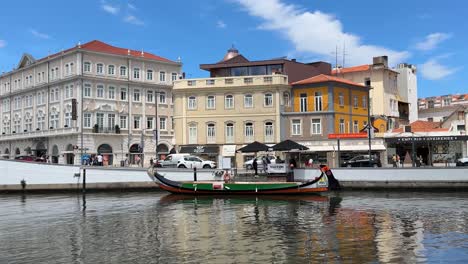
(381, 61)
(293, 60)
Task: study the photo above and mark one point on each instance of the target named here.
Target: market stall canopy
(287, 145)
(254, 147)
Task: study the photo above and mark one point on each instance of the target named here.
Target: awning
(200, 149)
(346, 148)
(228, 151)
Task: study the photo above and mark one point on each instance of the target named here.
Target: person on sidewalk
(255, 167)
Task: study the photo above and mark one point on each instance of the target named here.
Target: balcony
(40, 133)
(106, 130)
(233, 81)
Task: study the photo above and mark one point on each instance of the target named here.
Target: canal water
(154, 227)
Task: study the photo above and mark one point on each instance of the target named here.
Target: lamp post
(369, 126)
(155, 131)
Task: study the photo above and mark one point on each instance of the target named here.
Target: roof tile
(326, 78)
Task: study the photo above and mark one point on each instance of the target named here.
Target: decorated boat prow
(316, 185)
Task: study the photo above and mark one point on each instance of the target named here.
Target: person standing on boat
(255, 166)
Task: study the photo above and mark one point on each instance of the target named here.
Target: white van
(171, 160)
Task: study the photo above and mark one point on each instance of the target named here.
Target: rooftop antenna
(344, 54)
(336, 60)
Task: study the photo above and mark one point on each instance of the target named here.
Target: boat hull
(317, 185)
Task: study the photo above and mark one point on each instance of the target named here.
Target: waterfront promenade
(48, 177)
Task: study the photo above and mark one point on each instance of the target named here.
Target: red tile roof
(99, 46)
(327, 78)
(359, 68)
(423, 126)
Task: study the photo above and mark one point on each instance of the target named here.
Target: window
(174, 76)
(87, 67)
(211, 133)
(136, 95)
(364, 101)
(111, 91)
(341, 99)
(100, 68)
(268, 100)
(162, 76)
(136, 73)
(192, 102)
(111, 69)
(296, 127)
(210, 102)
(229, 101)
(149, 96)
(249, 132)
(57, 72)
(52, 75)
(41, 120)
(303, 102)
(229, 133)
(123, 94)
(67, 119)
(38, 79)
(192, 134)
(316, 126)
(71, 68)
(355, 126)
(342, 126)
(40, 98)
(123, 122)
(269, 136)
(100, 120)
(286, 99)
(355, 101)
(28, 122)
(87, 90)
(54, 120)
(123, 71)
(100, 91)
(17, 124)
(162, 123)
(111, 121)
(87, 120)
(136, 122)
(67, 69)
(162, 97)
(318, 101)
(149, 75)
(149, 122)
(248, 101)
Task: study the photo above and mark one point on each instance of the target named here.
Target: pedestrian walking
(255, 167)
(265, 164)
(394, 161)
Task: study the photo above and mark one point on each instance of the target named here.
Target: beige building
(240, 103)
(385, 98)
(115, 91)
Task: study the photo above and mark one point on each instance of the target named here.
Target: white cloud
(432, 40)
(131, 6)
(3, 43)
(315, 33)
(114, 10)
(433, 70)
(133, 20)
(39, 34)
(220, 24)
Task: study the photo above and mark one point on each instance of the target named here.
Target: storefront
(207, 152)
(437, 149)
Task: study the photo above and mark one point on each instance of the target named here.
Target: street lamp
(155, 131)
(369, 126)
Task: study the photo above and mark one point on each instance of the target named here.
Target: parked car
(362, 161)
(195, 162)
(28, 158)
(462, 162)
(171, 160)
(249, 164)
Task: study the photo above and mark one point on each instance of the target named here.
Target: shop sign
(425, 139)
(277, 168)
(347, 135)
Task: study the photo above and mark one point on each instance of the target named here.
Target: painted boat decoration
(319, 184)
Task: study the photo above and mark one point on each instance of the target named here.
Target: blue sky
(429, 34)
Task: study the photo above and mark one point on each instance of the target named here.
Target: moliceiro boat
(224, 185)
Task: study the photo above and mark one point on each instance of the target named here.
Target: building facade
(407, 82)
(93, 98)
(240, 103)
(443, 101)
(386, 98)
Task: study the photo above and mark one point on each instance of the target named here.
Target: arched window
(249, 132)
(229, 101)
(111, 69)
(211, 133)
(248, 101)
(123, 71)
(269, 135)
(99, 68)
(192, 102)
(229, 133)
(210, 102)
(136, 73)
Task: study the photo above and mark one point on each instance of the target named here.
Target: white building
(408, 88)
(115, 90)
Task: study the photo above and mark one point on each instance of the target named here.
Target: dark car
(25, 158)
(462, 162)
(362, 161)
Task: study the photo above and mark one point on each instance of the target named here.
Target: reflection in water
(357, 227)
